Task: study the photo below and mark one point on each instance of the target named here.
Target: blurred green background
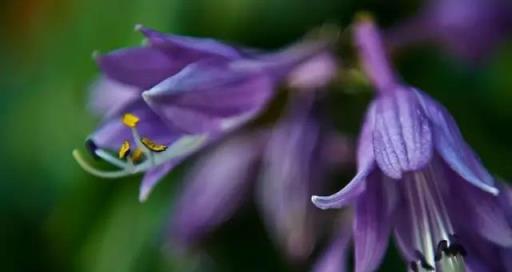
(55, 217)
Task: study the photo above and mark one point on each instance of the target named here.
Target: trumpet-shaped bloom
(418, 178)
(469, 29)
(167, 99)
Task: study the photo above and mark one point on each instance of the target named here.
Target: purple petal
(346, 195)
(469, 29)
(365, 148)
(314, 73)
(373, 222)
(402, 138)
(338, 150)
(188, 48)
(210, 96)
(482, 255)
(142, 67)
(365, 164)
(506, 257)
(152, 177)
(280, 64)
(107, 96)
(113, 132)
(490, 217)
(403, 232)
(288, 178)
(216, 187)
(449, 143)
(373, 56)
(334, 257)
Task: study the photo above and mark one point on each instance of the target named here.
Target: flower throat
(436, 245)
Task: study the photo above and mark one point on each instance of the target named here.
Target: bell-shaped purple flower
(469, 29)
(417, 177)
(167, 99)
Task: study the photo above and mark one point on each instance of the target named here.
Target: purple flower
(216, 187)
(417, 177)
(466, 28)
(283, 166)
(163, 101)
(291, 172)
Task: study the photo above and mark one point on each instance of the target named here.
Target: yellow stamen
(137, 155)
(124, 150)
(130, 120)
(152, 145)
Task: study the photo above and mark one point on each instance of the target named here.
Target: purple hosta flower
(282, 166)
(418, 178)
(171, 97)
(467, 28)
(290, 169)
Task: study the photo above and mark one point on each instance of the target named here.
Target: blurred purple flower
(167, 99)
(290, 168)
(418, 177)
(291, 172)
(216, 187)
(283, 165)
(469, 29)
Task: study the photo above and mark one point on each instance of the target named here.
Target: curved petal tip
(339, 199)
(488, 188)
(144, 193)
(346, 195)
(325, 202)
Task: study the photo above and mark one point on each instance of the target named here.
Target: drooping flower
(469, 29)
(167, 99)
(282, 166)
(417, 177)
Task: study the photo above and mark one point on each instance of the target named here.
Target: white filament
(430, 221)
(181, 147)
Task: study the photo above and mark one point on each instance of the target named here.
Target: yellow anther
(124, 150)
(137, 155)
(130, 120)
(152, 145)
